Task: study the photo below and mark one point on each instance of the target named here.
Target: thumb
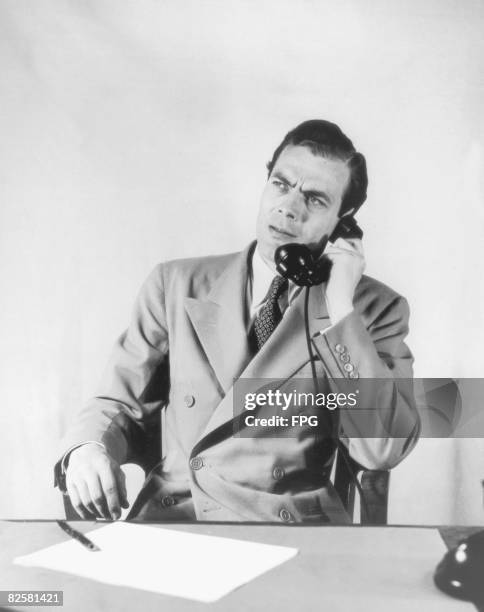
(123, 496)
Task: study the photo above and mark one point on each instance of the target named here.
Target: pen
(77, 535)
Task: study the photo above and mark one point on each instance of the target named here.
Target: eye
(280, 186)
(315, 202)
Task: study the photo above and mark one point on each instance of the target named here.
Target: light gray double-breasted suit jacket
(186, 346)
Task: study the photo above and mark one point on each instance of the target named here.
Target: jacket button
(189, 401)
(196, 463)
(285, 515)
(167, 501)
(353, 374)
(340, 348)
(278, 473)
(349, 367)
(345, 357)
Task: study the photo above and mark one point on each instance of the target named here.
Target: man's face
(301, 200)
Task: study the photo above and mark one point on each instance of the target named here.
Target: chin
(266, 248)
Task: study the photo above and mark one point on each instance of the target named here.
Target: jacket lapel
(220, 321)
(284, 353)
(286, 350)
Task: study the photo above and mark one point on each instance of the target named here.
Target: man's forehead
(300, 163)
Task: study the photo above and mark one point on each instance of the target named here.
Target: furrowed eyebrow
(281, 177)
(317, 194)
(307, 193)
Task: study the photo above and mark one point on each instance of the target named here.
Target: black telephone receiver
(303, 267)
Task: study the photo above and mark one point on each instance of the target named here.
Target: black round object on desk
(461, 571)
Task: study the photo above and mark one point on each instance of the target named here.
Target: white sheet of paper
(199, 567)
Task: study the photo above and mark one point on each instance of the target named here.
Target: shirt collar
(262, 276)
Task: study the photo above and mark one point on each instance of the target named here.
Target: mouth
(278, 232)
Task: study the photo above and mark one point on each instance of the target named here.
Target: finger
(97, 496)
(350, 260)
(357, 244)
(110, 488)
(349, 244)
(86, 499)
(74, 485)
(123, 495)
(76, 502)
(337, 251)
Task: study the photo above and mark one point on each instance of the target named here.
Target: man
(201, 324)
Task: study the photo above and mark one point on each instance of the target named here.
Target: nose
(287, 213)
(291, 207)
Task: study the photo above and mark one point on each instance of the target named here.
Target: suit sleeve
(383, 426)
(134, 386)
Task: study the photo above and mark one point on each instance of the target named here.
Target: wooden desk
(265, 593)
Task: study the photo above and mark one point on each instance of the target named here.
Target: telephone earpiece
(298, 263)
(347, 228)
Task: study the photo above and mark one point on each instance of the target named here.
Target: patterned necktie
(270, 314)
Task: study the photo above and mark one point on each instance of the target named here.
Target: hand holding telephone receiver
(303, 267)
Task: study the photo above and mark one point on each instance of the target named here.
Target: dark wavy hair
(326, 139)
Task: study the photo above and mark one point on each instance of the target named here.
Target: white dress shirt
(260, 280)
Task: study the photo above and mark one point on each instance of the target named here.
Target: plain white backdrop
(133, 132)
